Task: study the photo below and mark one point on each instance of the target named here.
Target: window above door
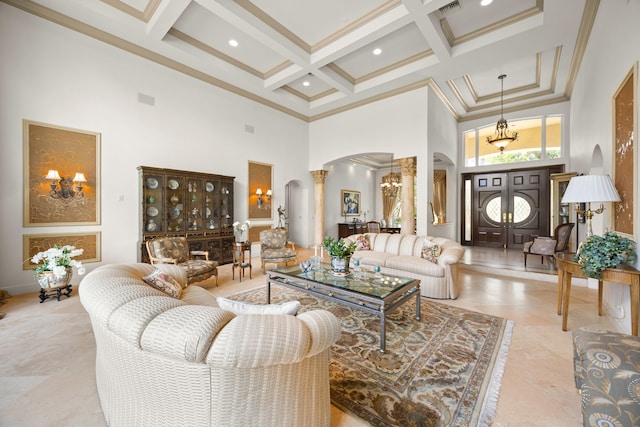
(539, 138)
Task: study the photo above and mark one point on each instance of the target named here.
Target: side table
(241, 259)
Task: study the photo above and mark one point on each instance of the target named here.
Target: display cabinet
(196, 205)
(561, 213)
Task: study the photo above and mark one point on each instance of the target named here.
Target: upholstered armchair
(175, 250)
(373, 227)
(274, 247)
(548, 246)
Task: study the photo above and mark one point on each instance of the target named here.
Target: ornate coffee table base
(368, 303)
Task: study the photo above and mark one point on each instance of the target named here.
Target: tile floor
(47, 351)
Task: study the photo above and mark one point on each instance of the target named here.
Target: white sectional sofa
(167, 361)
(401, 255)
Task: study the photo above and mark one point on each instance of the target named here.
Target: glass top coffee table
(373, 295)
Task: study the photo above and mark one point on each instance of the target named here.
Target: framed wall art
(624, 168)
(89, 242)
(260, 190)
(350, 202)
(61, 176)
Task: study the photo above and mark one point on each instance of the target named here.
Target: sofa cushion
(415, 265)
(393, 243)
(164, 283)
(362, 243)
(240, 307)
(380, 242)
(430, 251)
(281, 254)
(196, 295)
(371, 257)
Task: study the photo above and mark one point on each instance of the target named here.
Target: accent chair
(175, 250)
(275, 249)
(373, 227)
(549, 246)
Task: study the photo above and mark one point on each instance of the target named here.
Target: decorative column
(408, 172)
(318, 212)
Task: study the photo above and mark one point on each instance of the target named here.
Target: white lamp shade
(259, 191)
(53, 175)
(590, 188)
(79, 177)
(269, 193)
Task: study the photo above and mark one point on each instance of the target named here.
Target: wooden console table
(623, 274)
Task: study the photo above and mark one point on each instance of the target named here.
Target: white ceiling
(458, 51)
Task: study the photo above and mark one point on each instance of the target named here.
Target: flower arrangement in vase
(55, 266)
(340, 253)
(240, 231)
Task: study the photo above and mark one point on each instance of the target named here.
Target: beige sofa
(401, 255)
(163, 361)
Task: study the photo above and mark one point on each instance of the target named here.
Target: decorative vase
(340, 265)
(241, 236)
(47, 280)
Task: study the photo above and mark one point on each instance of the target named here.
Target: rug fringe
(490, 404)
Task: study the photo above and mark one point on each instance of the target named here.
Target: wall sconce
(261, 203)
(260, 199)
(66, 190)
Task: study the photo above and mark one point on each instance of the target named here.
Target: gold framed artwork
(260, 190)
(624, 167)
(33, 243)
(61, 176)
(350, 202)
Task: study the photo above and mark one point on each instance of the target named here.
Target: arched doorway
(295, 208)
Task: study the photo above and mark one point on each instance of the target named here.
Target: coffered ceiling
(312, 59)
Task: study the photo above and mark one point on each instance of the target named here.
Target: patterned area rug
(444, 370)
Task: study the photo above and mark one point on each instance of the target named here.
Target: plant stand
(45, 294)
(54, 286)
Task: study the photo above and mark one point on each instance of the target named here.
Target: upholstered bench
(607, 374)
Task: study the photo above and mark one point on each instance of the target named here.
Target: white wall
(56, 76)
(395, 125)
(442, 138)
(612, 50)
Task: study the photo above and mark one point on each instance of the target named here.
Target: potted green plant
(598, 253)
(340, 252)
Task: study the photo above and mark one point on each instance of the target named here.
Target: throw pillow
(239, 307)
(362, 243)
(430, 251)
(163, 282)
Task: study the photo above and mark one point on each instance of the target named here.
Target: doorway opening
(506, 209)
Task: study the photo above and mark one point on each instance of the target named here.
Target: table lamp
(587, 189)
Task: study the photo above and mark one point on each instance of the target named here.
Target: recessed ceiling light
(305, 83)
(233, 43)
(377, 51)
(485, 2)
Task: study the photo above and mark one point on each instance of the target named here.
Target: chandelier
(390, 183)
(502, 138)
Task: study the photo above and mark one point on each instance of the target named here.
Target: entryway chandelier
(502, 138)
(391, 183)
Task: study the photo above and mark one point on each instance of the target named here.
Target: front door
(510, 208)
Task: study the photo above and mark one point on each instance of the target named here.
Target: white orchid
(241, 228)
(57, 259)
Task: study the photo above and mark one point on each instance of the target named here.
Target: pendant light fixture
(502, 138)
(391, 183)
